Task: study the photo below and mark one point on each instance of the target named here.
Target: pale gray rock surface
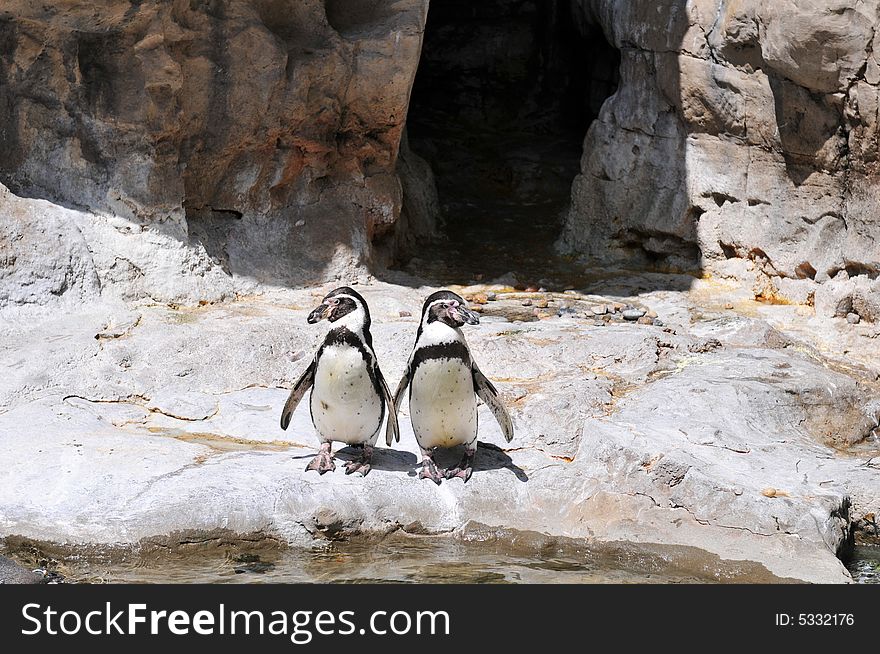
(624, 432)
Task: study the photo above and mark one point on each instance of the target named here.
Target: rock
(491, 297)
(853, 318)
(207, 146)
(404, 314)
(599, 309)
(479, 298)
(542, 304)
(651, 314)
(12, 573)
(633, 314)
(657, 322)
(860, 295)
(617, 307)
(645, 320)
(710, 100)
(526, 303)
(728, 305)
(693, 472)
(183, 404)
(29, 274)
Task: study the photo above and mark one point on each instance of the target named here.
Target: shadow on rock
(492, 457)
(383, 458)
(489, 457)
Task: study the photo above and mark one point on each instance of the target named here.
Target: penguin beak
(319, 313)
(464, 315)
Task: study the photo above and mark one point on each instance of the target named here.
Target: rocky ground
(745, 429)
(13, 573)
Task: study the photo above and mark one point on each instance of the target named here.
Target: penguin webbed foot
(323, 462)
(430, 471)
(361, 465)
(464, 469)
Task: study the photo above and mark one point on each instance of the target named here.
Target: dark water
(865, 564)
(408, 559)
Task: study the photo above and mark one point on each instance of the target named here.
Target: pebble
(543, 314)
(531, 289)
(633, 314)
(541, 304)
(491, 297)
(658, 322)
(404, 314)
(600, 309)
(478, 308)
(651, 314)
(598, 323)
(853, 318)
(728, 305)
(527, 303)
(480, 298)
(617, 306)
(644, 320)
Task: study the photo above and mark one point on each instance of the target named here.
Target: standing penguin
(444, 382)
(349, 395)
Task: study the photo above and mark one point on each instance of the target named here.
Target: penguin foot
(464, 473)
(465, 467)
(323, 462)
(361, 465)
(430, 471)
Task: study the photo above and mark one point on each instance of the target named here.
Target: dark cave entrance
(502, 100)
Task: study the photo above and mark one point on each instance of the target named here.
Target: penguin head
(448, 308)
(339, 303)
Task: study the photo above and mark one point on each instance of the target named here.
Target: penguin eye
(333, 302)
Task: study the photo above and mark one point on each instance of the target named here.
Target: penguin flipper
(392, 430)
(299, 389)
(395, 405)
(487, 392)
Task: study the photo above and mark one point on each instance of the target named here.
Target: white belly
(345, 405)
(442, 405)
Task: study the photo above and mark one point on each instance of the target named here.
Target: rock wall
(194, 149)
(205, 145)
(741, 130)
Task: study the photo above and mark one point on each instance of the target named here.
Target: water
(396, 559)
(864, 565)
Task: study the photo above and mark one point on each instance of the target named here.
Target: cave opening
(503, 97)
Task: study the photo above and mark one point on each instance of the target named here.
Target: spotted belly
(442, 405)
(345, 405)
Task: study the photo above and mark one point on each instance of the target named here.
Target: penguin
(349, 395)
(444, 382)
